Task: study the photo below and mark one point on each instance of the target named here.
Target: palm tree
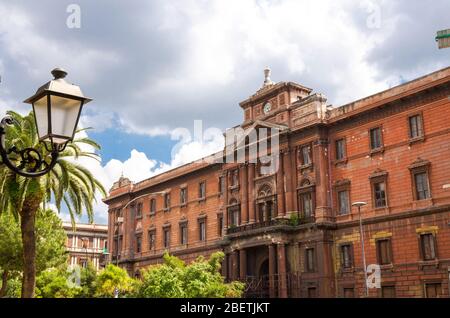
(68, 183)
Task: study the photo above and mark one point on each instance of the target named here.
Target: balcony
(293, 221)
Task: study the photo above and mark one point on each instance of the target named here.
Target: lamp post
(361, 235)
(57, 107)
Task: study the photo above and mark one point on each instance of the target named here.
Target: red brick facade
(294, 232)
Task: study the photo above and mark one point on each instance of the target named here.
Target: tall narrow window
(305, 155)
(152, 206)
(202, 190)
(379, 194)
(343, 201)
(235, 177)
(306, 204)
(183, 196)
(138, 243)
(346, 256)
(421, 186)
(202, 229)
(340, 149)
(219, 224)
(167, 201)
(151, 240)
(183, 233)
(166, 240)
(221, 184)
(139, 210)
(428, 246)
(415, 126)
(376, 141)
(384, 251)
(310, 259)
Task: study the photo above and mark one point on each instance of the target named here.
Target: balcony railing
(273, 222)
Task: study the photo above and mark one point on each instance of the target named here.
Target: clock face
(267, 107)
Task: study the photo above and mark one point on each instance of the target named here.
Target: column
(323, 209)
(225, 199)
(288, 173)
(281, 211)
(242, 264)
(235, 265)
(244, 193)
(251, 195)
(282, 282)
(272, 271)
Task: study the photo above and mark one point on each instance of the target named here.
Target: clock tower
(282, 103)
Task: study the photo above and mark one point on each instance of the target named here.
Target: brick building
(292, 231)
(87, 243)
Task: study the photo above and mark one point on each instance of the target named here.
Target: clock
(267, 107)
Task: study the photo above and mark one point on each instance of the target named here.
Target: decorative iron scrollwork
(28, 162)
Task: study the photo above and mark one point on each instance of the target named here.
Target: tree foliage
(56, 283)
(175, 279)
(112, 277)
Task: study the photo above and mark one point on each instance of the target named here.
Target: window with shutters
(376, 139)
(183, 233)
(202, 229)
(310, 260)
(152, 206)
(415, 126)
(305, 157)
(428, 246)
(166, 237)
(202, 190)
(183, 196)
(384, 251)
(433, 290)
(139, 210)
(166, 201)
(343, 201)
(346, 256)
(378, 181)
(340, 153)
(420, 172)
(219, 224)
(151, 240)
(138, 243)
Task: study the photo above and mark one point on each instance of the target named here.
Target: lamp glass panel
(64, 117)
(40, 113)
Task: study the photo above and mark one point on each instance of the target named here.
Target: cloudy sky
(153, 67)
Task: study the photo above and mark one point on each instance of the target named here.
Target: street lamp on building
(57, 107)
(361, 235)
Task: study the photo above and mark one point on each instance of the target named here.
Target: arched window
(266, 204)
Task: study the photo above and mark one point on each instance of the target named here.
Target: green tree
(112, 277)
(50, 244)
(175, 279)
(67, 182)
(56, 283)
(88, 277)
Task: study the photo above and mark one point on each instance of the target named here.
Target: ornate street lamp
(57, 107)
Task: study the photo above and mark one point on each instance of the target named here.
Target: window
(151, 240)
(346, 256)
(305, 155)
(310, 260)
(384, 251)
(306, 204)
(139, 210)
(166, 201)
(152, 206)
(166, 237)
(312, 292)
(388, 291)
(235, 178)
(138, 243)
(183, 233)
(427, 246)
(219, 224)
(340, 149)
(202, 190)
(421, 186)
(83, 262)
(344, 203)
(349, 292)
(415, 126)
(379, 192)
(221, 184)
(375, 138)
(433, 290)
(202, 229)
(183, 196)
